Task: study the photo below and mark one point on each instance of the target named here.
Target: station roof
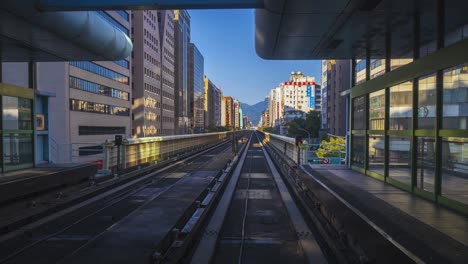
(285, 29)
(345, 29)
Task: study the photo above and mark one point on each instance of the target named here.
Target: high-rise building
(167, 46)
(181, 70)
(236, 107)
(241, 115)
(299, 93)
(146, 74)
(245, 121)
(336, 79)
(92, 100)
(217, 96)
(227, 111)
(213, 97)
(153, 73)
(326, 64)
(196, 89)
(62, 112)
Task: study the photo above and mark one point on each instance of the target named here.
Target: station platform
(44, 177)
(427, 231)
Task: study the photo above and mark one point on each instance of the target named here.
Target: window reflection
(16, 113)
(400, 159)
(377, 110)
(87, 86)
(455, 168)
(455, 96)
(358, 152)
(359, 113)
(427, 102)
(376, 154)
(99, 70)
(401, 106)
(425, 148)
(91, 107)
(17, 151)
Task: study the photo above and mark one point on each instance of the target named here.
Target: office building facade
(167, 47)
(196, 89)
(227, 110)
(336, 79)
(299, 93)
(213, 97)
(146, 74)
(181, 70)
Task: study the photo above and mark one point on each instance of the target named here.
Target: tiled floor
(443, 219)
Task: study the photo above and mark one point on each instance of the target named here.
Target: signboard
(311, 94)
(299, 83)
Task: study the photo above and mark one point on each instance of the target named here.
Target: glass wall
(17, 133)
(358, 153)
(376, 154)
(425, 176)
(455, 168)
(359, 113)
(455, 108)
(377, 110)
(399, 158)
(426, 102)
(411, 126)
(401, 106)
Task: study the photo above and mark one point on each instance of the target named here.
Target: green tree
(311, 123)
(295, 126)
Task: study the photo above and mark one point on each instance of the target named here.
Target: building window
(91, 107)
(123, 63)
(92, 150)
(99, 70)
(17, 113)
(114, 22)
(91, 87)
(100, 130)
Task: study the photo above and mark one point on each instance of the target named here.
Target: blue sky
(226, 40)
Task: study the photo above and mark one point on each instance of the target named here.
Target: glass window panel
(17, 113)
(455, 168)
(376, 154)
(360, 71)
(377, 68)
(425, 149)
(455, 98)
(17, 151)
(359, 113)
(377, 110)
(400, 159)
(358, 150)
(401, 106)
(426, 102)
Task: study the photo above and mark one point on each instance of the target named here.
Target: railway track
(256, 220)
(67, 232)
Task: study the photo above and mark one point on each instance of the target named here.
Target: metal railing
(139, 151)
(326, 153)
(323, 153)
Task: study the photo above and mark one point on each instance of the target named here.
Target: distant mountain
(254, 111)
